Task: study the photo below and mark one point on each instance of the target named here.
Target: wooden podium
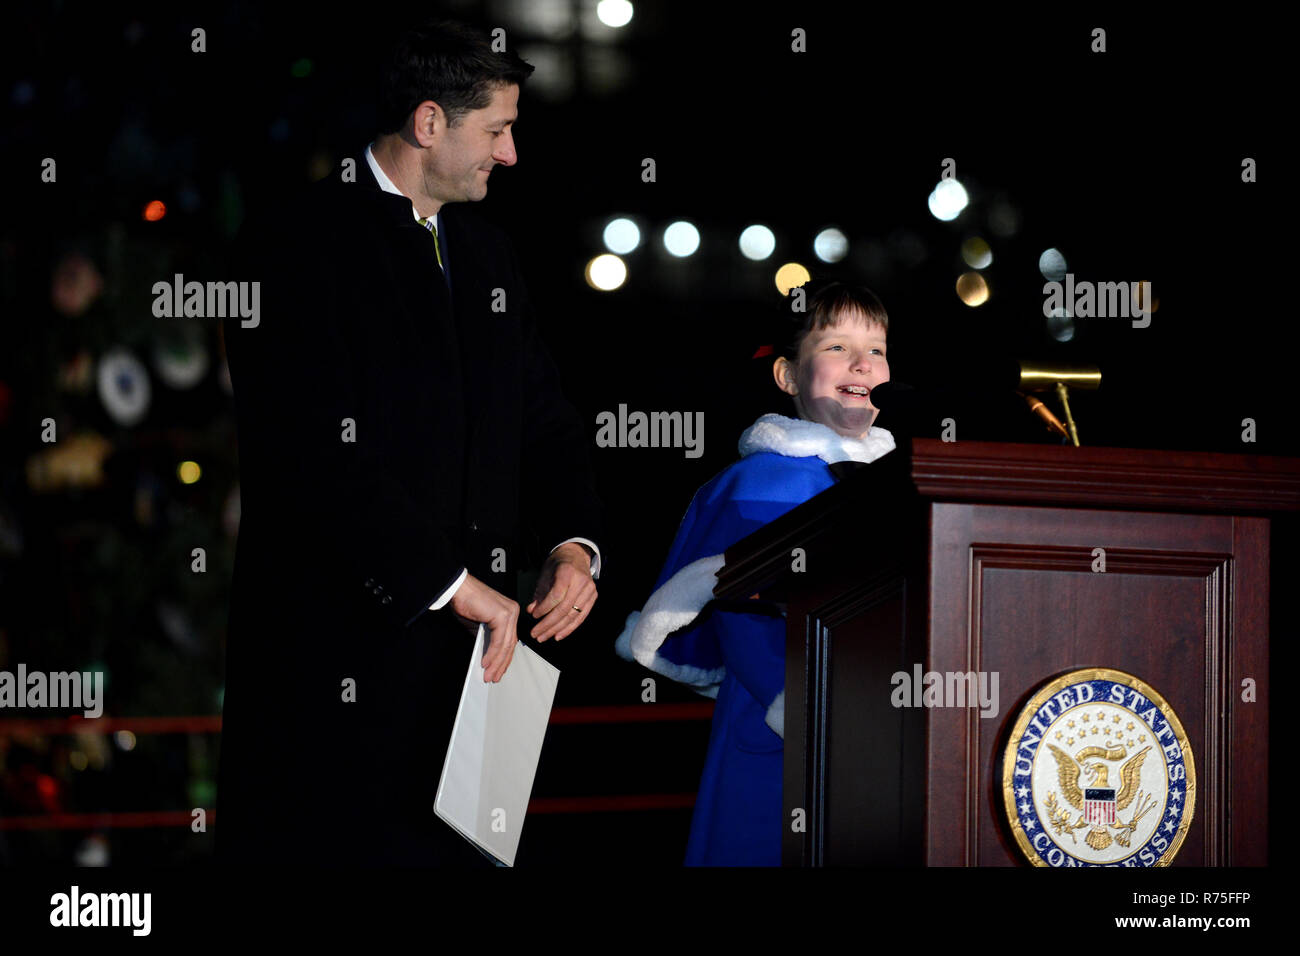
(978, 556)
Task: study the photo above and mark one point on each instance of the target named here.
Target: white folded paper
(496, 742)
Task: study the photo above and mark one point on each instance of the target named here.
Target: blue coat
(739, 658)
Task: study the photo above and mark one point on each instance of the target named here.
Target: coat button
(473, 526)
(370, 583)
(386, 599)
(377, 591)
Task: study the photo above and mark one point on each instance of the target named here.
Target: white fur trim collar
(797, 438)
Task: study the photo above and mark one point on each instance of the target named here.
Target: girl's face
(835, 372)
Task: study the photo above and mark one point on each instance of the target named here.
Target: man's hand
(474, 603)
(565, 593)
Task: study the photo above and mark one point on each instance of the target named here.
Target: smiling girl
(829, 366)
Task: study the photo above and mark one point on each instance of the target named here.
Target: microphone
(897, 396)
(907, 409)
(1042, 411)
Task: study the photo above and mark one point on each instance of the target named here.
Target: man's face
(836, 366)
(456, 167)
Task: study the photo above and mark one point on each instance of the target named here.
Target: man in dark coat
(403, 444)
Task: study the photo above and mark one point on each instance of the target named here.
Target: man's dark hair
(449, 63)
(827, 304)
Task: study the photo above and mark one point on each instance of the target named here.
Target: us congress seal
(1098, 772)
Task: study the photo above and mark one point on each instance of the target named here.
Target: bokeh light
(681, 238)
(614, 13)
(621, 236)
(972, 289)
(1060, 325)
(948, 199)
(1052, 265)
(606, 272)
(975, 252)
(831, 245)
(757, 243)
(791, 276)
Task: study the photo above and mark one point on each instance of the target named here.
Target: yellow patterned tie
(428, 224)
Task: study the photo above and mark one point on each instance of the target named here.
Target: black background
(1129, 161)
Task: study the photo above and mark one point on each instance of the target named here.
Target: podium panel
(853, 641)
(1013, 591)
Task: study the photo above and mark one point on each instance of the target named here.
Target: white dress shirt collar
(385, 183)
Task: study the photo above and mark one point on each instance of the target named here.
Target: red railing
(211, 724)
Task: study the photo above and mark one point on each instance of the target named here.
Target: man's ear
(783, 372)
(427, 120)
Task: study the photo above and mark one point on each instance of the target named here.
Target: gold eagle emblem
(1097, 774)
